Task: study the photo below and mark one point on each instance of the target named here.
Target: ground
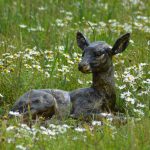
(38, 50)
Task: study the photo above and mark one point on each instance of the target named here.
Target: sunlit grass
(38, 50)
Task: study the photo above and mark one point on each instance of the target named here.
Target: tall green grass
(85, 16)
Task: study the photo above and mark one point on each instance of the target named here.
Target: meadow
(38, 50)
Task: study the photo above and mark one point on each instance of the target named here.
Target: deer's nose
(84, 67)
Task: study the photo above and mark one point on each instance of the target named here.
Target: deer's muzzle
(85, 68)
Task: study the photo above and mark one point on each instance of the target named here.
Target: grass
(38, 50)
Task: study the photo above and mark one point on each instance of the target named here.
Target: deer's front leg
(115, 119)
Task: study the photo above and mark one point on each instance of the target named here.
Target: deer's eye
(102, 57)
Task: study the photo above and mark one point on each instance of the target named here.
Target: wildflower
(42, 8)
(20, 147)
(140, 112)
(48, 66)
(69, 13)
(64, 69)
(61, 48)
(147, 81)
(106, 114)
(129, 78)
(52, 126)
(75, 138)
(70, 62)
(27, 56)
(92, 24)
(69, 18)
(37, 67)
(42, 128)
(88, 82)
(62, 11)
(6, 71)
(22, 26)
(128, 28)
(110, 118)
(80, 82)
(6, 54)
(32, 29)
(144, 92)
(98, 123)
(61, 129)
(122, 87)
(27, 66)
(14, 113)
(10, 140)
(65, 126)
(146, 29)
(129, 99)
(10, 128)
(38, 28)
(78, 129)
(47, 75)
(59, 22)
(1, 95)
(121, 61)
(116, 75)
(75, 54)
(24, 126)
(125, 94)
(140, 105)
(66, 55)
(131, 41)
(142, 64)
(139, 25)
(47, 131)
(102, 24)
(11, 46)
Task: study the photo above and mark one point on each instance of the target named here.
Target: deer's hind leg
(36, 103)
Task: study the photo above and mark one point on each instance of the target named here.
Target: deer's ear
(121, 44)
(82, 41)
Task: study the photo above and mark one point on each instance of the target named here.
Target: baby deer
(85, 102)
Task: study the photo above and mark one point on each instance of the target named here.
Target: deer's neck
(104, 81)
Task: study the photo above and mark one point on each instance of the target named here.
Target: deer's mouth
(85, 69)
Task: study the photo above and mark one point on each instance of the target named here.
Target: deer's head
(97, 56)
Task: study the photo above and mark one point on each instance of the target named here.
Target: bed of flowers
(38, 50)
